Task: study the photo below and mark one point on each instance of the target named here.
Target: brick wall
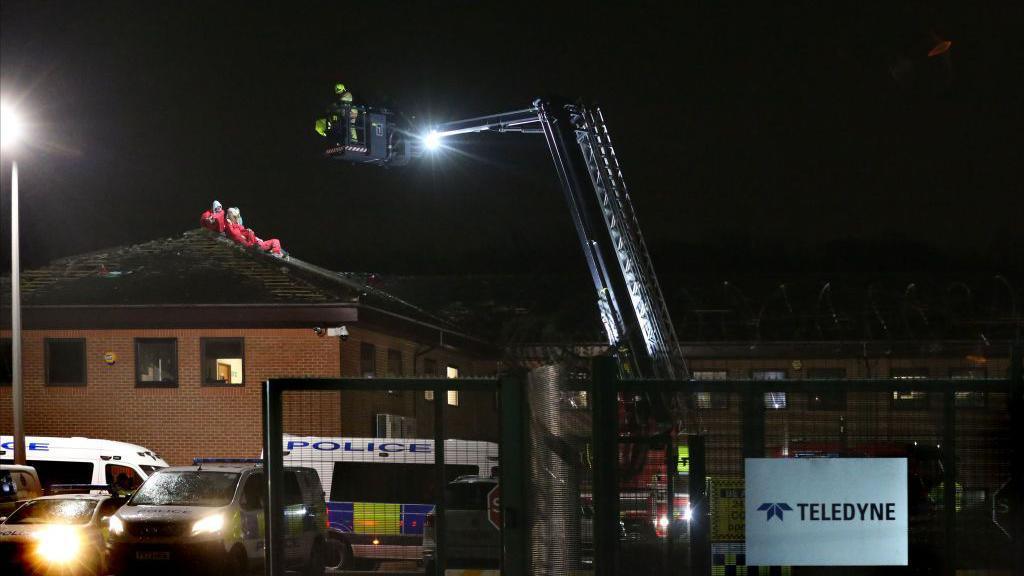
(195, 420)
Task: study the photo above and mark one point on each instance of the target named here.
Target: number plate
(153, 555)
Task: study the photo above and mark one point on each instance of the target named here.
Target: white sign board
(826, 511)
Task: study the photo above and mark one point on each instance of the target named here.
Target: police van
(380, 490)
(80, 460)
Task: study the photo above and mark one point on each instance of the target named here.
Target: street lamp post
(10, 130)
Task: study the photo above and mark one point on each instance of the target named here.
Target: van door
(253, 526)
(124, 479)
(295, 515)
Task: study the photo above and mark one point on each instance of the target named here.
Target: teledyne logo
(774, 509)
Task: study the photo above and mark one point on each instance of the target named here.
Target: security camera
(340, 332)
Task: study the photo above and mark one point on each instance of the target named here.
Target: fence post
(1017, 455)
(513, 464)
(949, 485)
(604, 395)
(440, 480)
(700, 543)
(753, 424)
(273, 460)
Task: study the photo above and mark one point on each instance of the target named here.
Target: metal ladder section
(634, 261)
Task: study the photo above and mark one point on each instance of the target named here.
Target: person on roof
(337, 112)
(236, 230)
(213, 219)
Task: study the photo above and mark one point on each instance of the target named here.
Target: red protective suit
(244, 236)
(213, 221)
(273, 245)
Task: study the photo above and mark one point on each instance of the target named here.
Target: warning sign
(727, 509)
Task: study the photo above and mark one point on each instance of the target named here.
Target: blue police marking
(36, 446)
(329, 446)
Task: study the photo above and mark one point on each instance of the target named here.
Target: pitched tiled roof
(200, 268)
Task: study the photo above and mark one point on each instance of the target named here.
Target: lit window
(772, 400)
(968, 398)
(909, 399)
(223, 361)
(711, 400)
(453, 395)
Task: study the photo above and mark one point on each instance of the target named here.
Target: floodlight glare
(10, 126)
(432, 141)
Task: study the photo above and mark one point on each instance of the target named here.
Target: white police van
(380, 490)
(80, 460)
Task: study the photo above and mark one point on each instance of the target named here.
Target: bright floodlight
(10, 126)
(432, 141)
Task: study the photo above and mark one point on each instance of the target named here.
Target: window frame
(393, 354)
(363, 347)
(139, 383)
(713, 400)
(830, 400)
(85, 363)
(904, 373)
(452, 394)
(769, 397)
(202, 362)
(5, 345)
(963, 399)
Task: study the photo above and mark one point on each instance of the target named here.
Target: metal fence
(673, 480)
(609, 476)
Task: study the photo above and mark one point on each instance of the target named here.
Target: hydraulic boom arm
(630, 301)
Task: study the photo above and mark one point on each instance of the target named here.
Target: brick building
(165, 344)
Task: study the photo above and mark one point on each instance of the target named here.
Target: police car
(209, 518)
(60, 534)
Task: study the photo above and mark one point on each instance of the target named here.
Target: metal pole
(440, 480)
(511, 467)
(606, 490)
(700, 543)
(17, 388)
(1017, 454)
(273, 461)
(949, 485)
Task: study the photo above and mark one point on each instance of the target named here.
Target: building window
(395, 368)
(65, 362)
(968, 398)
(772, 400)
(453, 395)
(429, 370)
(223, 361)
(367, 360)
(156, 362)
(909, 399)
(827, 399)
(711, 400)
(6, 362)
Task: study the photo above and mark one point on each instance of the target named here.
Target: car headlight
(209, 525)
(58, 544)
(116, 525)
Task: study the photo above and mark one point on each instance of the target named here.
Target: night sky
(793, 130)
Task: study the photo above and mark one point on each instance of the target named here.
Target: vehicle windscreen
(188, 488)
(54, 511)
(149, 470)
(467, 496)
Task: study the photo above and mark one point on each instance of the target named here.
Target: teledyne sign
(826, 511)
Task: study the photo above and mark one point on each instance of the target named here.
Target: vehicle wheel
(339, 555)
(238, 564)
(315, 567)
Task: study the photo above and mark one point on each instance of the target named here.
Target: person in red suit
(213, 219)
(236, 230)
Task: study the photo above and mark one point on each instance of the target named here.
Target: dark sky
(783, 127)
